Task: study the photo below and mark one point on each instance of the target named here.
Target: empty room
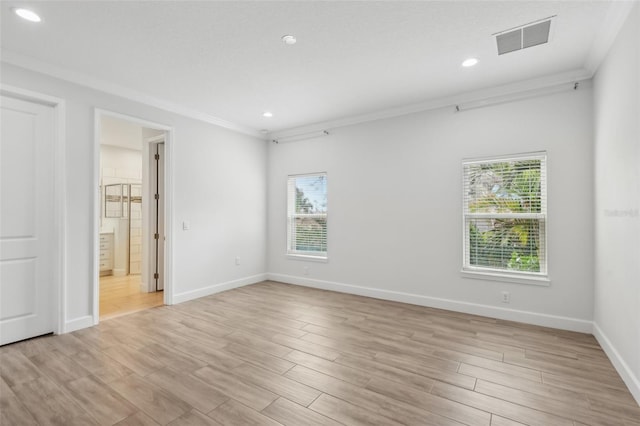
(320, 213)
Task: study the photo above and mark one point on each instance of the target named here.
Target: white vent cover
(525, 36)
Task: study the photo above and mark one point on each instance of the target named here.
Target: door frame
(59, 197)
(148, 191)
(168, 182)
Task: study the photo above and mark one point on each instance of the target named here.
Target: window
(307, 215)
(504, 216)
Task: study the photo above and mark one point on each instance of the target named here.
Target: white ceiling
(226, 60)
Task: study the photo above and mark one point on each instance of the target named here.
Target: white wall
(617, 203)
(122, 133)
(219, 185)
(394, 207)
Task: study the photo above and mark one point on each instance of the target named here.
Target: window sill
(505, 277)
(306, 257)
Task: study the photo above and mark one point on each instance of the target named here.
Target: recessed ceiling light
(27, 14)
(469, 62)
(289, 39)
(267, 114)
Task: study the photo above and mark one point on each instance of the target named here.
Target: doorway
(131, 269)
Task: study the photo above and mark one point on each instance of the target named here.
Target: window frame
(500, 274)
(291, 215)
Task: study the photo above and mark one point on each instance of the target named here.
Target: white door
(27, 220)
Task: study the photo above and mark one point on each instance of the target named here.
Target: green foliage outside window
(309, 219)
(504, 189)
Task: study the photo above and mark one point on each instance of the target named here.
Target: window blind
(307, 215)
(505, 214)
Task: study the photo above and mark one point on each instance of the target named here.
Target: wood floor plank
(49, 404)
(545, 404)
(233, 413)
(499, 366)
(192, 390)
(166, 355)
(305, 346)
(105, 405)
(577, 399)
(258, 358)
(368, 400)
(15, 368)
(12, 411)
(250, 395)
(608, 379)
(376, 368)
(348, 414)
(343, 347)
(589, 387)
(413, 365)
(257, 342)
(138, 419)
(273, 353)
(291, 414)
(157, 403)
(280, 385)
(194, 418)
(612, 408)
(501, 421)
(348, 374)
(101, 365)
(498, 406)
(133, 359)
(58, 366)
(432, 403)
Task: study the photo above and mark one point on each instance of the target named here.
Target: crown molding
(32, 64)
(606, 35)
(514, 91)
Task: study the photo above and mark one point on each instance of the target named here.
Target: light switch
(186, 225)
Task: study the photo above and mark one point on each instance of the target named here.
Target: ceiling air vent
(525, 36)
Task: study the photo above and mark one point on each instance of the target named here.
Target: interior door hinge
(157, 196)
(156, 276)
(157, 156)
(156, 236)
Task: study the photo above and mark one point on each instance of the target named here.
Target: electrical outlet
(237, 260)
(506, 297)
(305, 270)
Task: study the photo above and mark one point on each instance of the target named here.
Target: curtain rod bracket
(575, 85)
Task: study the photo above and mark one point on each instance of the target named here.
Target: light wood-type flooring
(270, 354)
(122, 295)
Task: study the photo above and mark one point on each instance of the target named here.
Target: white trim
(527, 88)
(510, 92)
(17, 59)
(606, 35)
(623, 369)
(217, 288)
(78, 323)
(306, 257)
(60, 197)
(545, 320)
(168, 158)
(531, 279)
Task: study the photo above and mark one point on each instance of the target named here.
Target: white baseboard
(630, 379)
(78, 323)
(217, 288)
(545, 320)
(119, 272)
